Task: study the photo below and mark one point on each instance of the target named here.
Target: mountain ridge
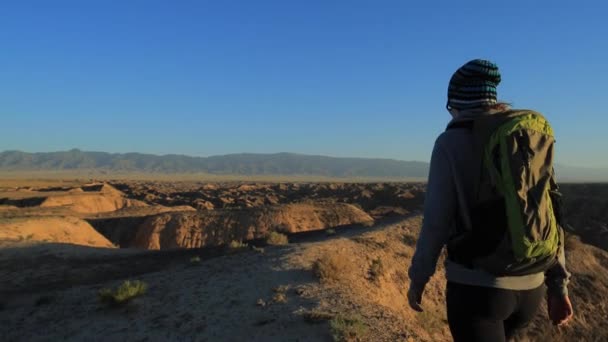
(284, 163)
(281, 163)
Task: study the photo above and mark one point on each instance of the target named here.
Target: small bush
(281, 289)
(260, 302)
(124, 293)
(195, 260)
(347, 328)
(275, 238)
(330, 232)
(409, 240)
(331, 268)
(258, 249)
(376, 270)
(234, 244)
(279, 297)
(280, 294)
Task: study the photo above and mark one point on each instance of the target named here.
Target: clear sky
(339, 78)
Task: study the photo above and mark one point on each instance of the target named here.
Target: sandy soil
(51, 229)
(233, 297)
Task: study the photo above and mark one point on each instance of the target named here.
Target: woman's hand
(559, 309)
(414, 296)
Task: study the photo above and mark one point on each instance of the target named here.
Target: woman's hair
(499, 107)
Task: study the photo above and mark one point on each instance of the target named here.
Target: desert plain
(248, 261)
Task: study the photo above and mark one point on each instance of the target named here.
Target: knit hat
(473, 85)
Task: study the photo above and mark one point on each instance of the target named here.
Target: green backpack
(513, 227)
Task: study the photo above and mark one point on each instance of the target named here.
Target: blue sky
(338, 78)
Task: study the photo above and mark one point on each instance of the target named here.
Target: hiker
(493, 202)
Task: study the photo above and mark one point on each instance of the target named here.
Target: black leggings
(477, 314)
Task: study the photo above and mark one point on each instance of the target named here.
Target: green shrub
(275, 238)
(122, 294)
(195, 260)
(330, 232)
(347, 328)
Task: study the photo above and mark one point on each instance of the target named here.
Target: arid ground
(217, 267)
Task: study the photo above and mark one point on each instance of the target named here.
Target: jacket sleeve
(439, 211)
(557, 277)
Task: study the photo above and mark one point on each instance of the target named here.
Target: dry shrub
(409, 240)
(280, 294)
(258, 249)
(377, 269)
(279, 297)
(332, 268)
(572, 242)
(234, 244)
(275, 238)
(281, 289)
(260, 302)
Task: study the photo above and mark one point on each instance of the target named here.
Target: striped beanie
(473, 85)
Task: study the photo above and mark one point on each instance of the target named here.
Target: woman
(481, 305)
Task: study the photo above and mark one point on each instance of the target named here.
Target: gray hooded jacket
(449, 190)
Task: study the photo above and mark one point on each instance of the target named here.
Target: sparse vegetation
(122, 294)
(409, 240)
(377, 269)
(431, 321)
(281, 289)
(195, 261)
(331, 268)
(277, 239)
(258, 249)
(280, 294)
(279, 297)
(347, 327)
(330, 232)
(234, 244)
(25, 238)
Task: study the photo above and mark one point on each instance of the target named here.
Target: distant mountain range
(242, 164)
(232, 164)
